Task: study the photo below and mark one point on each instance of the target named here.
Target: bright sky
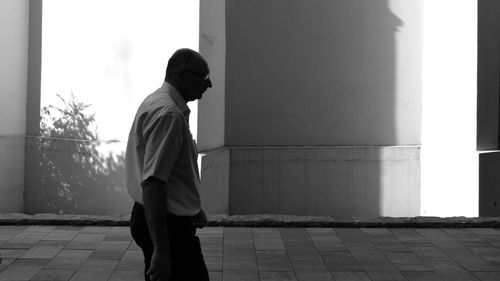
(449, 160)
(113, 53)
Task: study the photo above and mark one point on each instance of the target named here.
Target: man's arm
(163, 137)
(164, 141)
(154, 198)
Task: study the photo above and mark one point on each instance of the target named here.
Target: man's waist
(174, 220)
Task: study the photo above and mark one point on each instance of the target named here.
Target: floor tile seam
(416, 232)
(14, 249)
(456, 262)
(288, 256)
(346, 244)
(439, 233)
(476, 276)
(487, 238)
(487, 258)
(444, 250)
(403, 270)
(380, 248)
(108, 251)
(13, 263)
(334, 233)
(113, 261)
(436, 243)
(471, 244)
(450, 252)
(294, 270)
(45, 234)
(71, 276)
(466, 230)
(460, 263)
(49, 258)
(482, 271)
(113, 242)
(287, 253)
(223, 250)
(308, 238)
(415, 255)
(363, 265)
(350, 253)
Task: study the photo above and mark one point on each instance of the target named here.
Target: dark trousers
(185, 250)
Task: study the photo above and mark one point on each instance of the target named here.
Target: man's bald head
(184, 59)
(188, 72)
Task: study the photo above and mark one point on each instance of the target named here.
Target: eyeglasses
(203, 76)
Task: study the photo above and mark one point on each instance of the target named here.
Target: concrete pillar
(488, 67)
(315, 109)
(14, 33)
(489, 180)
(488, 105)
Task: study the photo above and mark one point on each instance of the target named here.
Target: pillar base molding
(11, 173)
(337, 181)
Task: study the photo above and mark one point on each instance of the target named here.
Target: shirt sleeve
(164, 139)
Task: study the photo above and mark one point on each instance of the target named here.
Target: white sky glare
(113, 53)
(449, 160)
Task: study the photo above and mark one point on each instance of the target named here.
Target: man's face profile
(196, 78)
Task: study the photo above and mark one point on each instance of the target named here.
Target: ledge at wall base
(266, 220)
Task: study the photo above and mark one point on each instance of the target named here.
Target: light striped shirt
(160, 144)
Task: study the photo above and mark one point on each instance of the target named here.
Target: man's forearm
(155, 209)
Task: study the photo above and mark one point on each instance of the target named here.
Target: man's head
(188, 72)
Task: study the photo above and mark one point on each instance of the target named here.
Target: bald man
(162, 174)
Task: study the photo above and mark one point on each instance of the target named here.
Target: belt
(176, 220)
(172, 219)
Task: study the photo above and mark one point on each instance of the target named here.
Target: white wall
(14, 20)
(448, 157)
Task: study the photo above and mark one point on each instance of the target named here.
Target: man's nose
(209, 83)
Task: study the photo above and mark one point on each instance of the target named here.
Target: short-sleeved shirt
(160, 145)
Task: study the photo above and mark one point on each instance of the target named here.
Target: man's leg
(200, 268)
(140, 233)
(189, 262)
(185, 249)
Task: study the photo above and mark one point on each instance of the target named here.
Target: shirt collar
(177, 97)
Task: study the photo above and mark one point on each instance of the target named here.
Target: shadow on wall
(314, 83)
(74, 176)
(317, 73)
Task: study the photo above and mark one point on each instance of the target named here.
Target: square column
(315, 109)
(14, 34)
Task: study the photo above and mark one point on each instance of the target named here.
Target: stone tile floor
(265, 254)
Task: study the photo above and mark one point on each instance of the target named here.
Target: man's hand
(160, 267)
(200, 220)
(154, 197)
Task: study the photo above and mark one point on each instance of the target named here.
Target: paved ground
(108, 253)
